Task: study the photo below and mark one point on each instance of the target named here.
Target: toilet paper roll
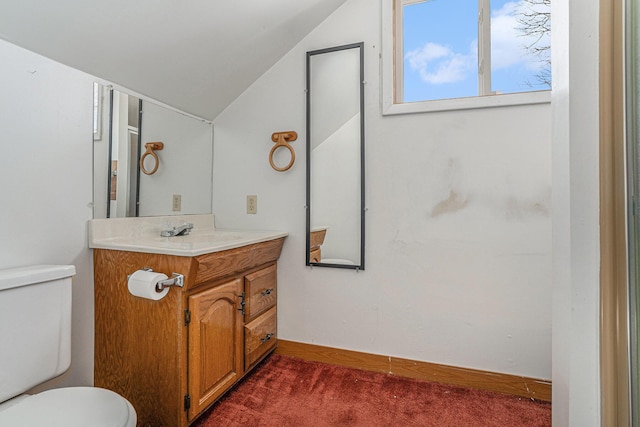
(143, 284)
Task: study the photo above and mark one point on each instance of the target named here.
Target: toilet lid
(71, 407)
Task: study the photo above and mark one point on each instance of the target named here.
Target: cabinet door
(215, 343)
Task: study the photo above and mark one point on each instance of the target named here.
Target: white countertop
(143, 235)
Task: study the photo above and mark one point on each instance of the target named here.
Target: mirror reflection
(335, 157)
(182, 183)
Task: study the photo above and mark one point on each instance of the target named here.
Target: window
(452, 54)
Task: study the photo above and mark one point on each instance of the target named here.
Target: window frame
(392, 72)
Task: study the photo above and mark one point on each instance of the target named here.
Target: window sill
(491, 101)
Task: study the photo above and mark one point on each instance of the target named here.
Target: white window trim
(390, 55)
(484, 46)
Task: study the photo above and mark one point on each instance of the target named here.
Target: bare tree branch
(534, 23)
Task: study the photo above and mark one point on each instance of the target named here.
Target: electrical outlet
(177, 202)
(252, 204)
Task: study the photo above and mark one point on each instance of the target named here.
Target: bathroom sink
(208, 237)
(143, 235)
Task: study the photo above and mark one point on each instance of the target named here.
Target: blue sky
(440, 50)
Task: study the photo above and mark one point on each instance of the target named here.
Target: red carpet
(284, 391)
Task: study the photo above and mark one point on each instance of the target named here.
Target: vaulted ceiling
(195, 55)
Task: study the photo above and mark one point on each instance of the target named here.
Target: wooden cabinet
(216, 347)
(174, 357)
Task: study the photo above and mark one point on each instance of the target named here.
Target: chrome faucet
(181, 230)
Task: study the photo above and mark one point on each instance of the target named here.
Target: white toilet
(35, 346)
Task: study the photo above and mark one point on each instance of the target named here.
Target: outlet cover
(177, 203)
(252, 204)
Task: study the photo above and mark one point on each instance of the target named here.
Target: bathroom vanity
(172, 358)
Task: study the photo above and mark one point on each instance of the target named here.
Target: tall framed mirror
(335, 157)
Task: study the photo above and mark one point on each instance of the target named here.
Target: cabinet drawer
(259, 337)
(260, 288)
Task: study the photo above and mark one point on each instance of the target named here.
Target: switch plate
(252, 204)
(177, 203)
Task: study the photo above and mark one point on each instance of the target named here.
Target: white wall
(576, 251)
(458, 224)
(46, 175)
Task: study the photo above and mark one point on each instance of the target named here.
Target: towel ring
(150, 147)
(282, 139)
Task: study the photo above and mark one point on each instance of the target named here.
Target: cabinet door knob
(266, 338)
(266, 292)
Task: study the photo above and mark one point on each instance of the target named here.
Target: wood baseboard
(501, 383)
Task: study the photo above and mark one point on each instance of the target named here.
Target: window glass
(520, 45)
(440, 46)
(440, 50)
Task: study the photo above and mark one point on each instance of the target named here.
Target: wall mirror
(335, 157)
(182, 184)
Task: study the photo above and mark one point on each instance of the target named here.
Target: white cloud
(438, 64)
(429, 52)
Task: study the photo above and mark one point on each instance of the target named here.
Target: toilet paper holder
(176, 279)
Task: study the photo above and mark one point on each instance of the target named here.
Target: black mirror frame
(362, 157)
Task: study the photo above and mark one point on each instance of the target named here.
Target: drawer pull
(266, 338)
(266, 292)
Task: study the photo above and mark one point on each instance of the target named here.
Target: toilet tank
(35, 326)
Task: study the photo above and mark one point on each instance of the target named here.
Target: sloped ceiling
(195, 55)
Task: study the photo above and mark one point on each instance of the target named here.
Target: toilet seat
(71, 407)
